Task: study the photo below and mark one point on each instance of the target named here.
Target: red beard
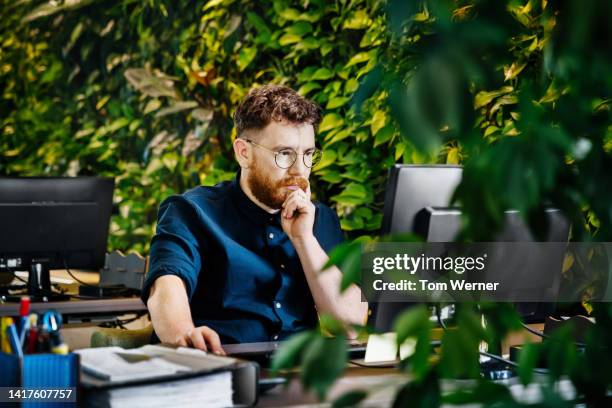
(270, 192)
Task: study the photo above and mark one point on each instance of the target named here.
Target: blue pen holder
(50, 371)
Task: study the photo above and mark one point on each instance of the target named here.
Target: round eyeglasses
(285, 158)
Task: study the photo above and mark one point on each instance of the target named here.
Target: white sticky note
(381, 348)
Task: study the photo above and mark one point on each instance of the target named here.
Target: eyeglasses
(285, 158)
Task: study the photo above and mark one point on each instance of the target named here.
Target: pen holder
(48, 371)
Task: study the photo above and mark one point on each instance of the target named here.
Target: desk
(84, 310)
(382, 384)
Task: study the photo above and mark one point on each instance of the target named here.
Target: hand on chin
(297, 215)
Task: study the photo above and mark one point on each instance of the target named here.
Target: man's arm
(325, 285)
(297, 219)
(168, 305)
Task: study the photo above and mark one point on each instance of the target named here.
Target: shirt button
(271, 236)
(278, 305)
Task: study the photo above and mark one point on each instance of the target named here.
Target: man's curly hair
(274, 103)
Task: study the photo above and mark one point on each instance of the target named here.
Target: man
(241, 261)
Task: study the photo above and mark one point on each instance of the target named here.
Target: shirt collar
(248, 207)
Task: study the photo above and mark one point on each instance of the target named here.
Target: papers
(214, 390)
(124, 370)
(382, 348)
(118, 365)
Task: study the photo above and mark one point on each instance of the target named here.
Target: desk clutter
(32, 333)
(161, 376)
(34, 355)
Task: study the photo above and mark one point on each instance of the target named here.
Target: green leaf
(355, 190)
(513, 70)
(331, 177)
(152, 105)
(347, 257)
(299, 29)
(379, 120)
(323, 362)
(118, 124)
(342, 134)
(528, 360)
(484, 98)
(308, 87)
(349, 399)
(329, 158)
(331, 325)
(336, 102)
(420, 394)
(322, 74)
(288, 355)
(245, 57)
(289, 39)
(257, 22)
(384, 135)
(289, 13)
(359, 19)
(411, 322)
(330, 121)
(359, 58)
(211, 4)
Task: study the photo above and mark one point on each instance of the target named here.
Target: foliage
(519, 92)
(144, 92)
(523, 93)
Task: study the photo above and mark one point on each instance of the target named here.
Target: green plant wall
(144, 92)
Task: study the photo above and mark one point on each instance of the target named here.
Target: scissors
(52, 321)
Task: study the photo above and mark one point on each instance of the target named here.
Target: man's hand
(203, 338)
(297, 215)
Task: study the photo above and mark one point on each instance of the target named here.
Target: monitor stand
(39, 282)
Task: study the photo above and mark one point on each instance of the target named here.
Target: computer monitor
(53, 223)
(418, 200)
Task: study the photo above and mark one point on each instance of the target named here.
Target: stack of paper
(213, 390)
(130, 377)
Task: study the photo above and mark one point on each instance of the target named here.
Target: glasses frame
(276, 153)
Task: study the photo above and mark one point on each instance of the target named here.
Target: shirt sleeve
(175, 249)
(329, 225)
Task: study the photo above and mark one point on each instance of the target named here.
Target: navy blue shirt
(243, 276)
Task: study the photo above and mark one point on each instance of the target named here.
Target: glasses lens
(285, 158)
(312, 158)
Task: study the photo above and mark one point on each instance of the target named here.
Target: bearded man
(241, 261)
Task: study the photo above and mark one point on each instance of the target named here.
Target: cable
(546, 336)
(510, 362)
(20, 278)
(74, 277)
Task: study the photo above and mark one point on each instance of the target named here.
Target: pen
(33, 335)
(14, 339)
(24, 320)
(5, 344)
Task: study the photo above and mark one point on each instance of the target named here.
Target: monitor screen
(418, 200)
(63, 220)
